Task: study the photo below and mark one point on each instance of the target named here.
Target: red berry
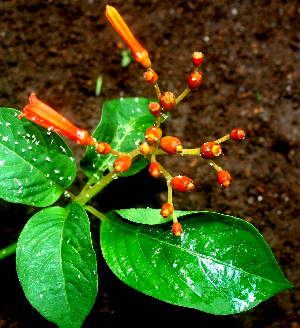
(167, 210)
(167, 101)
(182, 184)
(154, 169)
(177, 229)
(237, 134)
(210, 150)
(146, 149)
(122, 164)
(150, 76)
(154, 108)
(224, 178)
(153, 135)
(170, 145)
(103, 148)
(194, 80)
(197, 58)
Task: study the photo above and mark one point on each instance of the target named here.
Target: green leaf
(56, 264)
(148, 215)
(220, 264)
(35, 164)
(122, 126)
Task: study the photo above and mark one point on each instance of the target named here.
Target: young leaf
(56, 265)
(220, 264)
(35, 164)
(122, 126)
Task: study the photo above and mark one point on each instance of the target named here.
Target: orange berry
(170, 145)
(224, 178)
(103, 148)
(177, 229)
(153, 135)
(210, 150)
(237, 134)
(167, 210)
(167, 101)
(182, 184)
(194, 80)
(154, 169)
(122, 164)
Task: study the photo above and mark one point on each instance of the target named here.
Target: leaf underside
(220, 264)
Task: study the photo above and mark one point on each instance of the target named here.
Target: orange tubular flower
(50, 119)
(140, 54)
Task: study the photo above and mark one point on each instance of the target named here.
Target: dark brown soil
(251, 78)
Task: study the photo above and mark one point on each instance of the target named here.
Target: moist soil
(251, 78)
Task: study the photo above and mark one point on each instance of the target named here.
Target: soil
(251, 79)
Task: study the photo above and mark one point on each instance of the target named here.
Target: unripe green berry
(167, 101)
(170, 145)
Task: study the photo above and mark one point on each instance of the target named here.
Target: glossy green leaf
(56, 265)
(35, 164)
(123, 124)
(148, 215)
(220, 264)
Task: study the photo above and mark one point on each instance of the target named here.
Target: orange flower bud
(140, 54)
(122, 164)
(146, 149)
(237, 134)
(167, 101)
(103, 148)
(167, 210)
(210, 150)
(150, 76)
(50, 119)
(177, 229)
(153, 135)
(224, 178)
(182, 184)
(154, 169)
(170, 145)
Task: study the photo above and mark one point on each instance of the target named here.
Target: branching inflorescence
(155, 143)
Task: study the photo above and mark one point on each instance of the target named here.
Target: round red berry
(167, 210)
(154, 169)
(177, 229)
(167, 101)
(237, 134)
(153, 135)
(197, 58)
(122, 164)
(103, 148)
(150, 76)
(194, 80)
(154, 108)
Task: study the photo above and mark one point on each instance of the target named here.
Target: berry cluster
(157, 144)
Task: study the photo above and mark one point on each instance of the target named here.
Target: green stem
(8, 250)
(184, 93)
(98, 214)
(157, 90)
(225, 138)
(83, 198)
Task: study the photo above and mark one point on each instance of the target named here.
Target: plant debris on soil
(251, 80)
